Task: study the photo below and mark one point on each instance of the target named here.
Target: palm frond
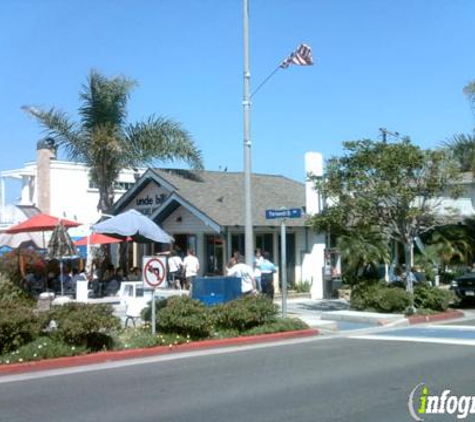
(161, 139)
(104, 101)
(58, 126)
(461, 147)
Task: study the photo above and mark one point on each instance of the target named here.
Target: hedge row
(379, 297)
(185, 316)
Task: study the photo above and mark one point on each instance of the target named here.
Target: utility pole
(385, 133)
(246, 103)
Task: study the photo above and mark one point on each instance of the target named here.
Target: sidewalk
(333, 315)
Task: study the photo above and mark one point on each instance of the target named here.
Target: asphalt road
(335, 379)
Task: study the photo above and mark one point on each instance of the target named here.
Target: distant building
(57, 187)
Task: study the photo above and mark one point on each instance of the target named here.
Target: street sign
(284, 213)
(154, 270)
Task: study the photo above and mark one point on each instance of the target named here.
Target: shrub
(184, 316)
(245, 313)
(303, 287)
(13, 295)
(87, 325)
(41, 348)
(18, 326)
(14, 265)
(278, 326)
(378, 297)
(432, 298)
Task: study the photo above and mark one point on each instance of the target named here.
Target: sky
(395, 64)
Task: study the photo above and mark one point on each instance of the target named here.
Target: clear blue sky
(399, 64)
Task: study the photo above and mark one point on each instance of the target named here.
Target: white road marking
(415, 339)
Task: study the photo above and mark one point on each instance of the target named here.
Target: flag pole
(248, 234)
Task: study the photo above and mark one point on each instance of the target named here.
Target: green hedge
(432, 298)
(185, 316)
(182, 315)
(378, 297)
(18, 326)
(88, 325)
(245, 313)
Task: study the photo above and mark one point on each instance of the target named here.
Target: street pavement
(344, 377)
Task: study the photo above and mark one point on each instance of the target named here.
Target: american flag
(302, 56)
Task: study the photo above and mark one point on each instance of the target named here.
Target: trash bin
(214, 290)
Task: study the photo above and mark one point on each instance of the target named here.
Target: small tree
(391, 188)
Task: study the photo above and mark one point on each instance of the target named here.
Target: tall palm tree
(106, 142)
(462, 146)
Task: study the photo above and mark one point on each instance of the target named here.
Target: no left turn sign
(154, 270)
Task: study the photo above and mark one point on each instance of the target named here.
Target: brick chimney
(45, 151)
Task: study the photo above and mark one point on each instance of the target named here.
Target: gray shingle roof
(220, 195)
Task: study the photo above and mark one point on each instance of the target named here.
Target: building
(57, 187)
(204, 210)
(200, 209)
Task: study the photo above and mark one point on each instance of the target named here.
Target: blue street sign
(287, 213)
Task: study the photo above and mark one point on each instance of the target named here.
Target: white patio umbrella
(134, 225)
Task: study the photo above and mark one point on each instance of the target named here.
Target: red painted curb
(112, 356)
(420, 319)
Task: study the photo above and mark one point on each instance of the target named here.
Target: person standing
(174, 270)
(258, 258)
(267, 276)
(192, 268)
(245, 273)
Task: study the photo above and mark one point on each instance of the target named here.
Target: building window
(214, 255)
(118, 186)
(265, 242)
(237, 243)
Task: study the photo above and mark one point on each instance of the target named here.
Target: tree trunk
(409, 283)
(106, 198)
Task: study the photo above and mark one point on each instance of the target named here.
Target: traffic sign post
(154, 270)
(284, 213)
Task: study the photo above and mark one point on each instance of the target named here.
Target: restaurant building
(204, 210)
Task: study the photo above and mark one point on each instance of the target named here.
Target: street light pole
(246, 103)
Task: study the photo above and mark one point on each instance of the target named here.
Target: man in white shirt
(245, 272)
(192, 268)
(174, 270)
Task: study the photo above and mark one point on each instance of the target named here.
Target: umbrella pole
(61, 275)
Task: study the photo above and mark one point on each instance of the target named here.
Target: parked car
(464, 286)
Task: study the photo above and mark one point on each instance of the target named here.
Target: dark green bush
(184, 316)
(379, 298)
(13, 295)
(432, 298)
(245, 313)
(18, 326)
(41, 348)
(278, 326)
(87, 325)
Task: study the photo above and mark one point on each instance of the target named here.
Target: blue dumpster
(213, 290)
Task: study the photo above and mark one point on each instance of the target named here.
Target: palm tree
(462, 146)
(362, 251)
(106, 142)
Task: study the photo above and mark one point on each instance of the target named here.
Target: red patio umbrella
(41, 223)
(97, 239)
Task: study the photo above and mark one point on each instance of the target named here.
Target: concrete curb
(111, 356)
(374, 318)
(420, 319)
